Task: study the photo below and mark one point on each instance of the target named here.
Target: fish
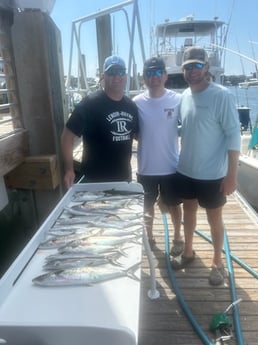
(109, 195)
(58, 241)
(100, 223)
(91, 250)
(98, 240)
(87, 255)
(67, 231)
(65, 263)
(75, 221)
(79, 210)
(84, 276)
(88, 196)
(121, 232)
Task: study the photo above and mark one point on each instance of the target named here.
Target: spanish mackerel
(84, 276)
(65, 263)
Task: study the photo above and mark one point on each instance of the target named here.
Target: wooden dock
(162, 321)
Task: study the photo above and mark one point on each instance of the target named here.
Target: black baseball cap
(154, 63)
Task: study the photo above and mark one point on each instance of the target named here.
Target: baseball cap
(113, 60)
(194, 54)
(154, 63)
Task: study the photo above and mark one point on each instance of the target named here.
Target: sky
(239, 15)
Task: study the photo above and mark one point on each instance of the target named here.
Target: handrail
(7, 105)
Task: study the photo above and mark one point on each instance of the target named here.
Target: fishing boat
(248, 167)
(170, 39)
(248, 83)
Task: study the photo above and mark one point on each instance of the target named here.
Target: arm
(229, 183)
(67, 141)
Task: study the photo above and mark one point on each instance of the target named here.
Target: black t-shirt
(107, 128)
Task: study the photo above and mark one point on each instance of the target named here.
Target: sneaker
(181, 261)
(177, 248)
(217, 276)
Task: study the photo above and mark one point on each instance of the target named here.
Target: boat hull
(247, 179)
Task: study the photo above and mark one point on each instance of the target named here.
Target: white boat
(247, 178)
(248, 83)
(170, 39)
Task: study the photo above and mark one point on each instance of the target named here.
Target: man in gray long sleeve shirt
(207, 169)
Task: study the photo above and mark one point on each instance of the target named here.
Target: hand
(69, 178)
(228, 185)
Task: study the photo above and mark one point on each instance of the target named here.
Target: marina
(162, 307)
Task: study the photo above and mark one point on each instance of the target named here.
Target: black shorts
(207, 192)
(154, 186)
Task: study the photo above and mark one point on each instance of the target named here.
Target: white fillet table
(105, 313)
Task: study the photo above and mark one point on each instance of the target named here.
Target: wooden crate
(36, 172)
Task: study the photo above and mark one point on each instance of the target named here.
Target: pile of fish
(91, 237)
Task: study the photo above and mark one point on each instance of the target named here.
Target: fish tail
(114, 261)
(131, 271)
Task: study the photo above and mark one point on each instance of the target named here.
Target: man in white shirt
(158, 147)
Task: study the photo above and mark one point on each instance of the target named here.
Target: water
(248, 98)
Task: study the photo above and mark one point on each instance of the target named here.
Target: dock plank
(162, 321)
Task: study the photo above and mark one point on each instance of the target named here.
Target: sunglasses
(154, 72)
(115, 71)
(191, 66)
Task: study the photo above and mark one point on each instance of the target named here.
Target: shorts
(154, 186)
(207, 192)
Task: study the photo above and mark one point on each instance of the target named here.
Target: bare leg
(190, 210)
(214, 217)
(176, 217)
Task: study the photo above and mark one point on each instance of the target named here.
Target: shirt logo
(169, 112)
(120, 125)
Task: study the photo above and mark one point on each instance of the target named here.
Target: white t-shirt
(158, 135)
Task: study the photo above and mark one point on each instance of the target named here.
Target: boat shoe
(217, 276)
(177, 248)
(181, 261)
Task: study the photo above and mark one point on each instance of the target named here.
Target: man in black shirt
(107, 120)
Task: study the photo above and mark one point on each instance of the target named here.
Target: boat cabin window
(188, 42)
